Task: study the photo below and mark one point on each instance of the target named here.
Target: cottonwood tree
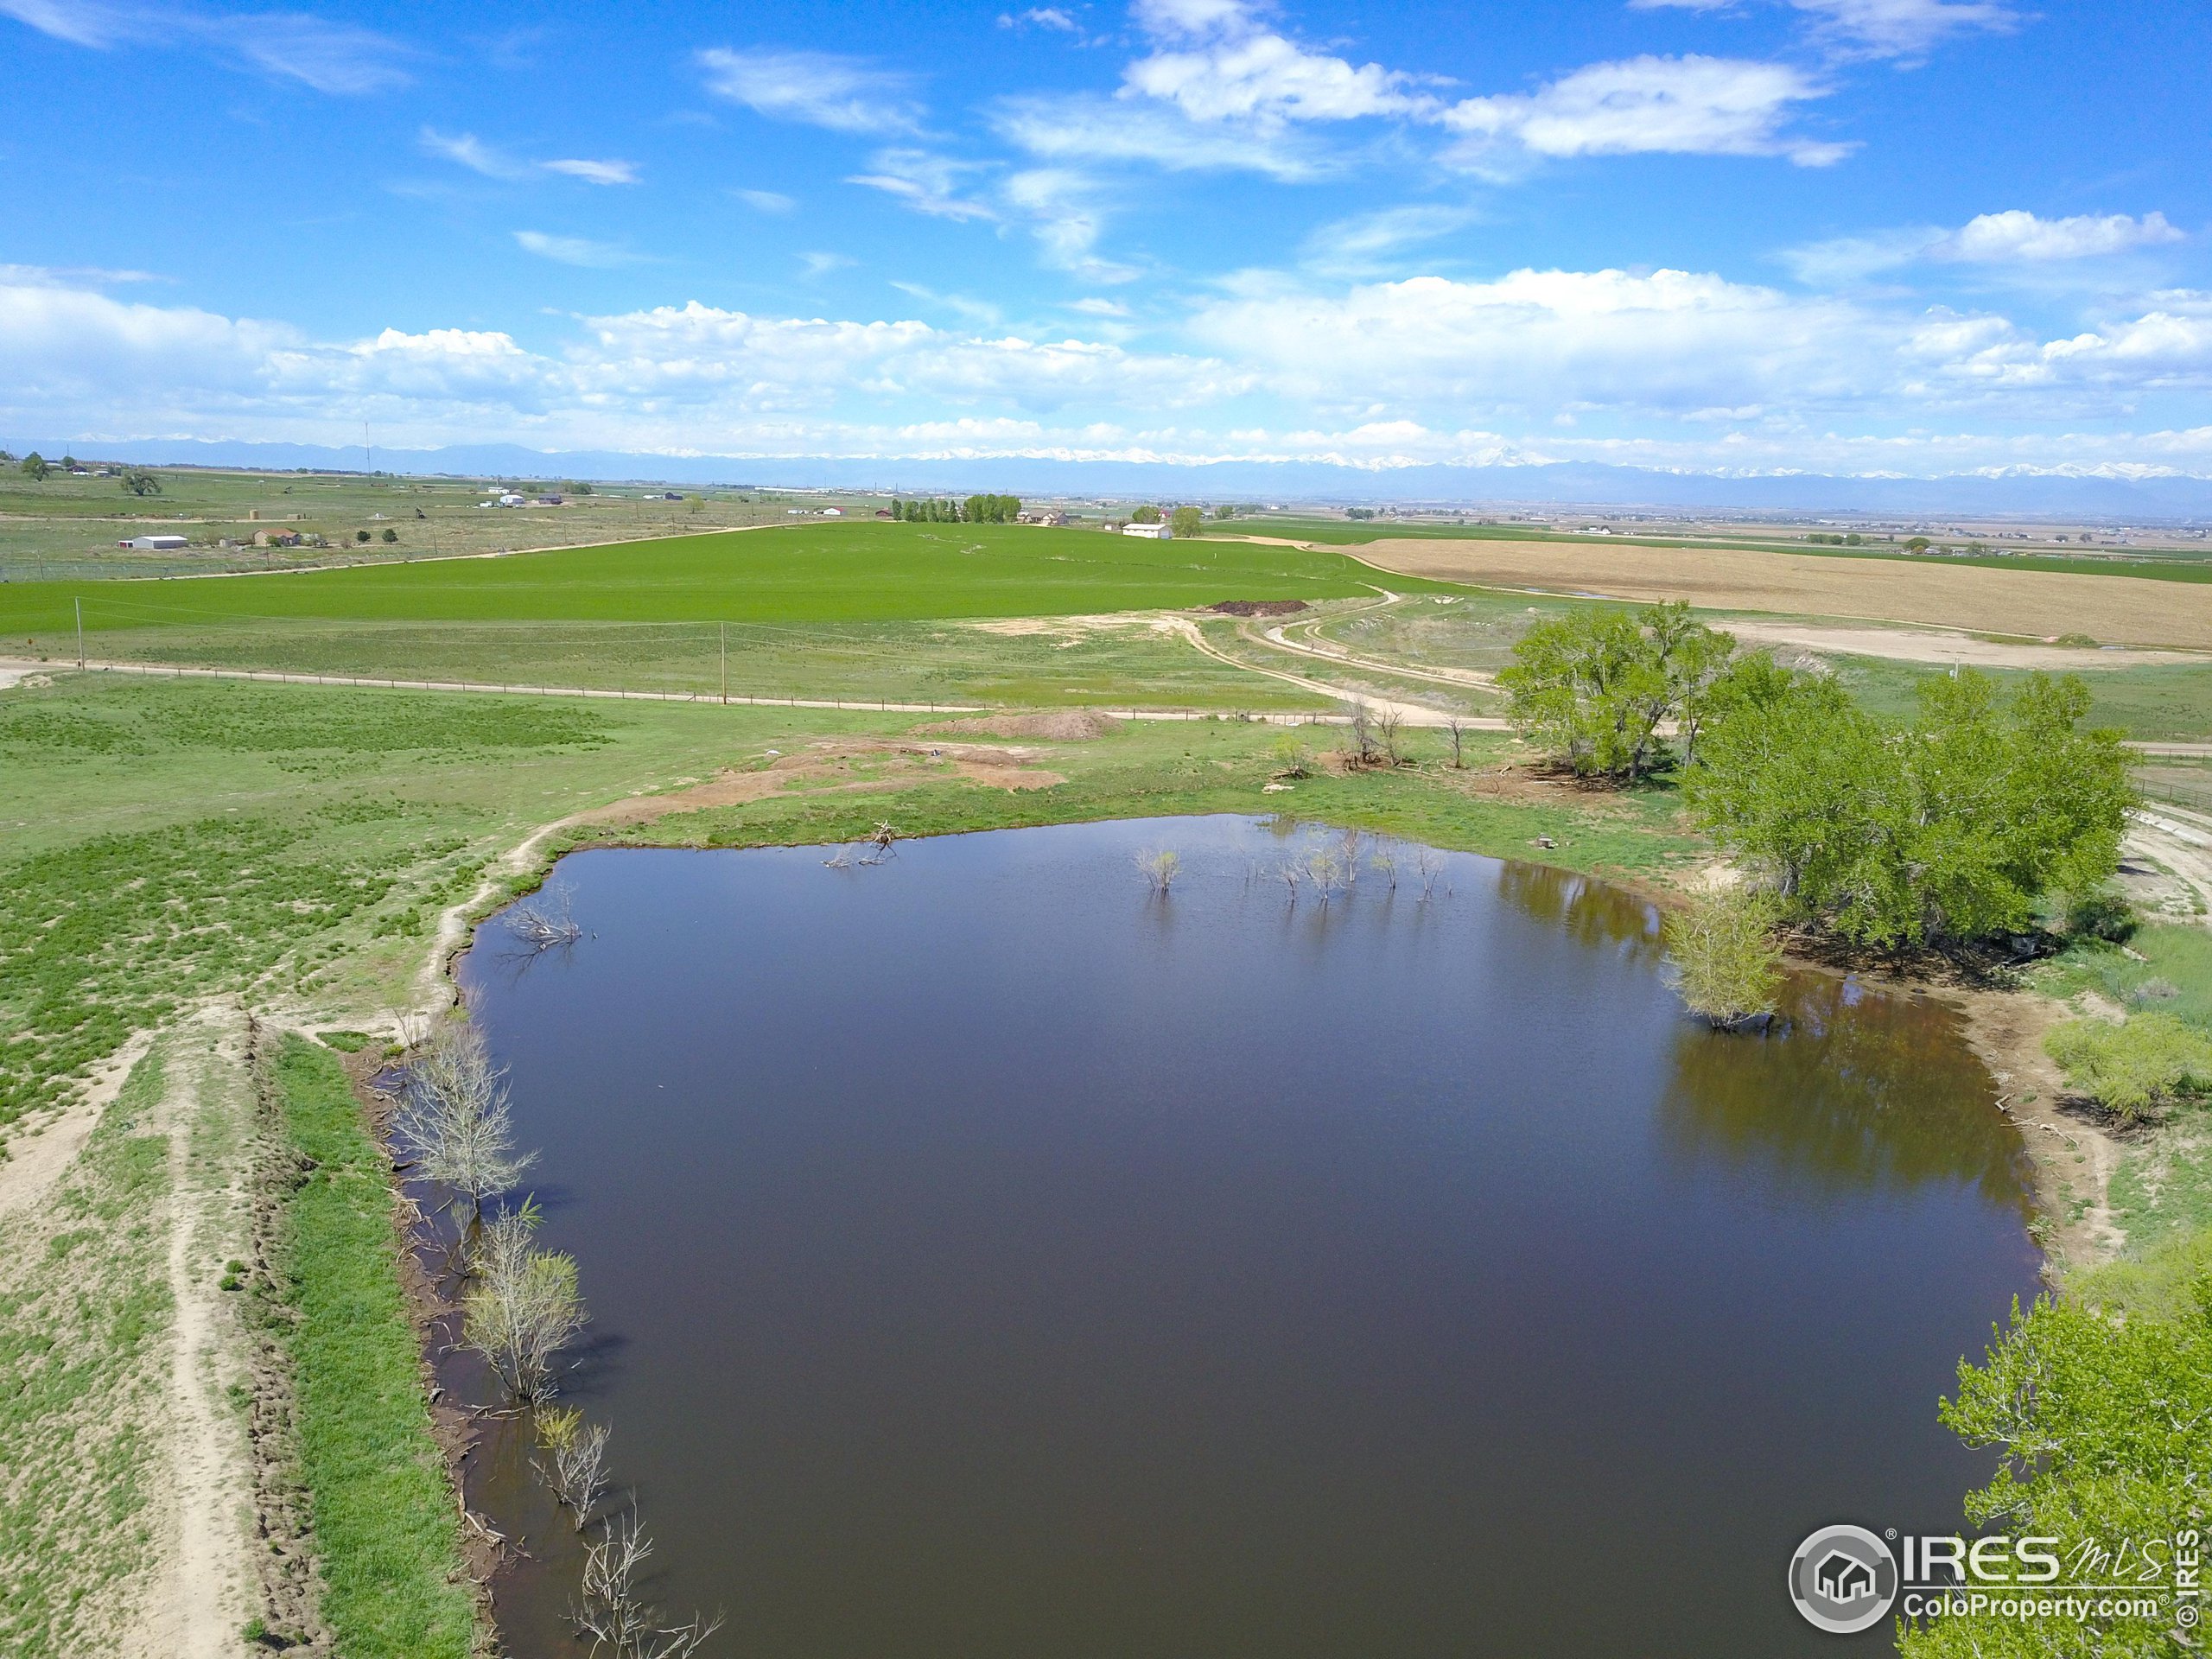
(1186, 522)
(524, 1306)
(1948, 829)
(1594, 686)
(455, 1122)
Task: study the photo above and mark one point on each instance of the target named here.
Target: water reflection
(1850, 1094)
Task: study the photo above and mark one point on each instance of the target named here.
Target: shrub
(2133, 1070)
(1726, 965)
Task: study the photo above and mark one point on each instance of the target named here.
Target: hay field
(2113, 610)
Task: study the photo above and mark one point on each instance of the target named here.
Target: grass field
(812, 573)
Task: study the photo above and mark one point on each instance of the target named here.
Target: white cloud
(1049, 17)
(1904, 28)
(2012, 237)
(1991, 238)
(473, 153)
(1065, 216)
(1671, 368)
(1687, 105)
(466, 149)
(595, 172)
(1878, 29)
(575, 250)
(1081, 128)
(844, 94)
(926, 182)
(819, 264)
(1359, 245)
(328, 56)
(1095, 307)
(766, 201)
(1260, 76)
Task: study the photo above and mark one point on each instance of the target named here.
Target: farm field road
(2038, 604)
(817, 573)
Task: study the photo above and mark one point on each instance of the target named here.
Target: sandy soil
(39, 1154)
(1920, 645)
(2035, 604)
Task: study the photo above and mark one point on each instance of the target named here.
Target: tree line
(975, 510)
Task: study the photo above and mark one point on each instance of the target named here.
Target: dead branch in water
(616, 1614)
(544, 920)
(1160, 868)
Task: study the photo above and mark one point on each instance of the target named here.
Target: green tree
(1187, 521)
(2104, 1424)
(1726, 964)
(1145, 516)
(1225, 510)
(139, 483)
(360, 535)
(1916, 544)
(391, 535)
(1948, 829)
(1594, 686)
(34, 466)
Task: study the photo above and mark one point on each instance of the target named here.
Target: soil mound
(1059, 726)
(1258, 606)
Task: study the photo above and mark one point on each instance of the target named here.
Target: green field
(811, 573)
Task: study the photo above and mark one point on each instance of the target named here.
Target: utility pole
(80, 631)
(725, 627)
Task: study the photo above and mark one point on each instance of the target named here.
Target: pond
(991, 1257)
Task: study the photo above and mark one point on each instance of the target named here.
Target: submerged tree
(455, 1122)
(524, 1307)
(1726, 965)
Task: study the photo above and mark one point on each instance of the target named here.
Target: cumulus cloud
(2016, 234)
(1226, 67)
(329, 57)
(820, 89)
(1049, 17)
(1082, 127)
(1688, 106)
(1664, 367)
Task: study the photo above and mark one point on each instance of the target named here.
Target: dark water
(991, 1259)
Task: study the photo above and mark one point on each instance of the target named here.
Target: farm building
(1150, 532)
(153, 543)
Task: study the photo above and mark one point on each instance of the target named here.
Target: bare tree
(578, 1450)
(1160, 868)
(455, 1123)
(524, 1307)
(1458, 728)
(1292, 873)
(1361, 733)
(1384, 859)
(616, 1614)
(1388, 721)
(544, 920)
(1428, 866)
(879, 844)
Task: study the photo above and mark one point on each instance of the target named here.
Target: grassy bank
(385, 1523)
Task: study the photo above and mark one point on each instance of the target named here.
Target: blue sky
(1913, 236)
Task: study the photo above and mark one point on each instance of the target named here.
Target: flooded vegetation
(1000, 1249)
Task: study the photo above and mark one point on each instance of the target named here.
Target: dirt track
(2035, 604)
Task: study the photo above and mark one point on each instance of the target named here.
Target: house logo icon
(1843, 1579)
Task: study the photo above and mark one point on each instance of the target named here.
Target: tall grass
(384, 1524)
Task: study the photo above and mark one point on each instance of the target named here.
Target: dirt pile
(1259, 607)
(1056, 726)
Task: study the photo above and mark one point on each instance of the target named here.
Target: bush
(2099, 913)
(1726, 965)
(2134, 1070)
